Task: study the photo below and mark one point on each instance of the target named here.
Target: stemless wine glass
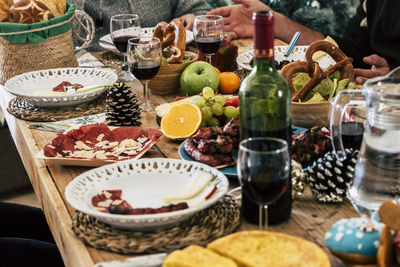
(263, 170)
(208, 31)
(122, 28)
(144, 58)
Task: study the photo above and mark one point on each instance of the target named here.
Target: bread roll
(29, 11)
(57, 7)
(5, 6)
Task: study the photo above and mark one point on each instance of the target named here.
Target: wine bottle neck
(264, 65)
(263, 22)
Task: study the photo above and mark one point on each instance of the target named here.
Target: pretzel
(343, 63)
(172, 35)
(29, 11)
(300, 66)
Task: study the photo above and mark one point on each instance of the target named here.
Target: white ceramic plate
(143, 183)
(28, 85)
(106, 42)
(297, 54)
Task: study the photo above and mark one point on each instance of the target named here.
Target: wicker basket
(167, 80)
(37, 46)
(310, 114)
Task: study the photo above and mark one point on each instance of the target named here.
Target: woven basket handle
(87, 26)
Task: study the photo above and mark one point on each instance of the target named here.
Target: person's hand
(238, 18)
(379, 67)
(187, 21)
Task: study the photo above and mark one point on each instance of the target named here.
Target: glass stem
(146, 93)
(208, 58)
(263, 225)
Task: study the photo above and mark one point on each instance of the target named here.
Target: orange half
(181, 121)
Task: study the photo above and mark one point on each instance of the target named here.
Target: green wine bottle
(265, 110)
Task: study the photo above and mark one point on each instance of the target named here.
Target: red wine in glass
(263, 185)
(352, 134)
(121, 42)
(208, 45)
(145, 70)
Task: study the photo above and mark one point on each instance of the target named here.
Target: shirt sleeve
(196, 7)
(356, 43)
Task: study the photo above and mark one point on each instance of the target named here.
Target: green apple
(198, 75)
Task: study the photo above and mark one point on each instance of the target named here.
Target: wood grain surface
(309, 219)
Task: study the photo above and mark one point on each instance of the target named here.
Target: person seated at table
(25, 238)
(371, 38)
(150, 11)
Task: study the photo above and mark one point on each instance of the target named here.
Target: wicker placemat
(216, 221)
(23, 109)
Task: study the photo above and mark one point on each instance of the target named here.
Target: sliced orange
(181, 121)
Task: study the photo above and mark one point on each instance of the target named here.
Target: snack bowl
(144, 182)
(307, 115)
(167, 79)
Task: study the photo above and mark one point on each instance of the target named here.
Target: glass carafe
(377, 171)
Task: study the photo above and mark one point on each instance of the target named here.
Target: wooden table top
(309, 220)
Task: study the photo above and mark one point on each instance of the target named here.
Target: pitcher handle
(90, 29)
(337, 112)
(394, 73)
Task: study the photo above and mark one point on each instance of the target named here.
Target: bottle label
(264, 53)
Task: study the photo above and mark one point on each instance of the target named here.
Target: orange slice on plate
(181, 121)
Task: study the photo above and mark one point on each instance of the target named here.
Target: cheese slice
(198, 184)
(317, 55)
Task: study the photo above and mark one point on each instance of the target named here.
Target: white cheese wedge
(200, 181)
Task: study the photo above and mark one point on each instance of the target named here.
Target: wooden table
(309, 219)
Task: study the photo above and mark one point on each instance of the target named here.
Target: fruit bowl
(166, 81)
(310, 114)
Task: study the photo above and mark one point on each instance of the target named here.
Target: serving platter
(297, 54)
(107, 43)
(33, 86)
(144, 182)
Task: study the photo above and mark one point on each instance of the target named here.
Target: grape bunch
(214, 109)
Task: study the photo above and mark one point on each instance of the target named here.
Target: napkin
(62, 126)
(86, 59)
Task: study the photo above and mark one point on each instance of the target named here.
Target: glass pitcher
(377, 171)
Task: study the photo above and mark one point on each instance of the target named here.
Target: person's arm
(186, 10)
(238, 22)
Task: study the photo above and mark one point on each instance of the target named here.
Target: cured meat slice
(153, 134)
(132, 132)
(93, 132)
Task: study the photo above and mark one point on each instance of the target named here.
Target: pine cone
(329, 177)
(122, 107)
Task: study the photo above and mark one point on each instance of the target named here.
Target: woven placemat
(23, 109)
(218, 220)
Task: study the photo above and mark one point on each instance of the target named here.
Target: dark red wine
(263, 185)
(121, 42)
(352, 134)
(145, 70)
(209, 45)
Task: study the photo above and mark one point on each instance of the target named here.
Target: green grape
(217, 109)
(208, 92)
(220, 99)
(231, 112)
(207, 113)
(199, 101)
(213, 122)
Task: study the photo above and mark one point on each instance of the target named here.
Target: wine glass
(144, 58)
(208, 31)
(122, 28)
(263, 170)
